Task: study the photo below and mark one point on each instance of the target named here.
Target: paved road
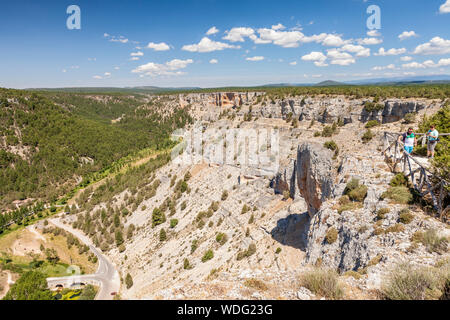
(106, 275)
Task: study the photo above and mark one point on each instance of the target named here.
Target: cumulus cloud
(208, 45)
(158, 46)
(370, 41)
(445, 7)
(407, 34)
(373, 33)
(238, 34)
(318, 58)
(120, 39)
(134, 58)
(406, 58)
(213, 61)
(391, 52)
(427, 64)
(137, 54)
(332, 40)
(359, 50)
(257, 58)
(437, 45)
(212, 30)
(293, 63)
(170, 68)
(388, 67)
(97, 77)
(340, 58)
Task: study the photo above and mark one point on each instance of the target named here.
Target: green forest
(51, 138)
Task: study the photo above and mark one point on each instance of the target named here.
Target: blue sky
(210, 43)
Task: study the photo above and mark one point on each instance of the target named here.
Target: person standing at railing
(409, 139)
(433, 138)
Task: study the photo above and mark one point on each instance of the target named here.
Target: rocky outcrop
(315, 175)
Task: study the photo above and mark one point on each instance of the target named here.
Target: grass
(399, 195)
(256, 284)
(431, 240)
(407, 282)
(323, 282)
(395, 228)
(331, 235)
(405, 216)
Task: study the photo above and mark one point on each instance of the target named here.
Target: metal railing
(420, 176)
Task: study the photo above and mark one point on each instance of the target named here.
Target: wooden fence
(420, 176)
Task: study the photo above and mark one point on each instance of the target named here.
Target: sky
(212, 43)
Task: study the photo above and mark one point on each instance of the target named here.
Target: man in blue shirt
(432, 136)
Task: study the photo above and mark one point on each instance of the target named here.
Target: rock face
(315, 176)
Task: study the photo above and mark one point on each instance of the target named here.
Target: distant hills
(435, 79)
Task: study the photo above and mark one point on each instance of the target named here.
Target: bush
(286, 195)
(410, 283)
(410, 118)
(405, 216)
(221, 238)
(224, 195)
(399, 180)
(372, 123)
(400, 195)
(331, 145)
(247, 253)
(329, 131)
(173, 223)
(186, 264)
(322, 282)
(129, 281)
(381, 213)
(371, 107)
(367, 136)
(331, 235)
(162, 235)
(255, 284)
(208, 255)
(433, 242)
(355, 191)
(395, 228)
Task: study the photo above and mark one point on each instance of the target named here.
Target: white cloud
(370, 41)
(121, 40)
(318, 58)
(332, 40)
(445, 7)
(436, 45)
(406, 58)
(64, 70)
(340, 58)
(170, 68)
(238, 34)
(278, 27)
(158, 46)
(388, 67)
(359, 50)
(427, 64)
(207, 45)
(212, 30)
(116, 68)
(213, 61)
(407, 34)
(92, 59)
(107, 74)
(390, 52)
(293, 63)
(106, 35)
(137, 54)
(373, 33)
(97, 77)
(257, 58)
(134, 58)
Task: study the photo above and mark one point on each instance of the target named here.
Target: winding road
(106, 275)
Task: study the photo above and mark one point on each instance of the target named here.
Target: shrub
(410, 118)
(367, 136)
(129, 281)
(395, 228)
(358, 194)
(317, 134)
(322, 282)
(194, 245)
(245, 209)
(224, 195)
(351, 185)
(278, 250)
(381, 213)
(433, 242)
(331, 235)
(186, 264)
(255, 284)
(400, 195)
(173, 223)
(410, 283)
(328, 131)
(405, 216)
(399, 180)
(371, 107)
(353, 274)
(372, 123)
(208, 255)
(247, 253)
(158, 217)
(162, 235)
(286, 195)
(221, 238)
(331, 145)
